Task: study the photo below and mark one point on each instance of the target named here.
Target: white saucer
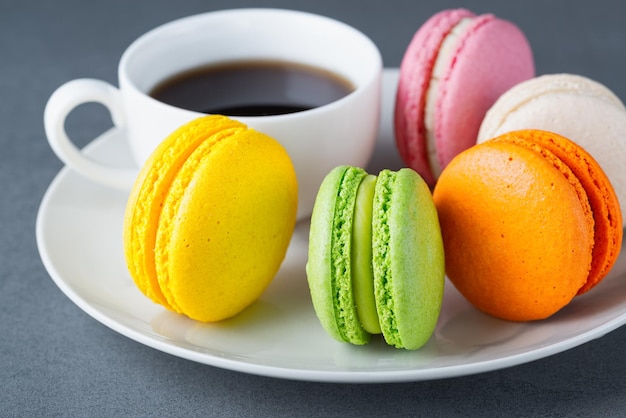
(79, 236)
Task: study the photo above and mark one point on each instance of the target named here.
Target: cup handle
(65, 99)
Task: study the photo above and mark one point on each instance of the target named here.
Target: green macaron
(376, 261)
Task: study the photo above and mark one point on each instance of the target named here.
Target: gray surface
(56, 360)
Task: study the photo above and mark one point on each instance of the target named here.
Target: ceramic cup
(342, 132)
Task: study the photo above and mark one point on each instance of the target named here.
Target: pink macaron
(453, 70)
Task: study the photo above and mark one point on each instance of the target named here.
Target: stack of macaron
(529, 218)
(517, 179)
(550, 106)
(516, 245)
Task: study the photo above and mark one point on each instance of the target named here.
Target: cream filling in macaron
(442, 63)
(362, 272)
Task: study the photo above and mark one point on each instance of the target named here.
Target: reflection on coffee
(252, 88)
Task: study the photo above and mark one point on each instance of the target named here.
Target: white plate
(79, 235)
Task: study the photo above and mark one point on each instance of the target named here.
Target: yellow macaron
(210, 217)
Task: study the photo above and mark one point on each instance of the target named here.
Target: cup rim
(373, 76)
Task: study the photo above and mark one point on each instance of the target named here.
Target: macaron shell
(150, 190)
(525, 92)
(601, 196)
(319, 265)
(491, 57)
(226, 225)
(517, 237)
(328, 267)
(408, 258)
(596, 124)
(415, 73)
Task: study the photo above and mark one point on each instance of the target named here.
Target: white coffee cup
(342, 132)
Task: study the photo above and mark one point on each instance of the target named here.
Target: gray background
(56, 360)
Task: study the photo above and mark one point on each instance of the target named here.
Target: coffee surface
(252, 88)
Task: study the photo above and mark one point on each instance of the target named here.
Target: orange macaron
(529, 220)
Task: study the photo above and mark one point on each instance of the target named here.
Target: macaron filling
(442, 63)
(362, 272)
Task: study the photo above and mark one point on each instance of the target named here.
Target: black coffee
(255, 88)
